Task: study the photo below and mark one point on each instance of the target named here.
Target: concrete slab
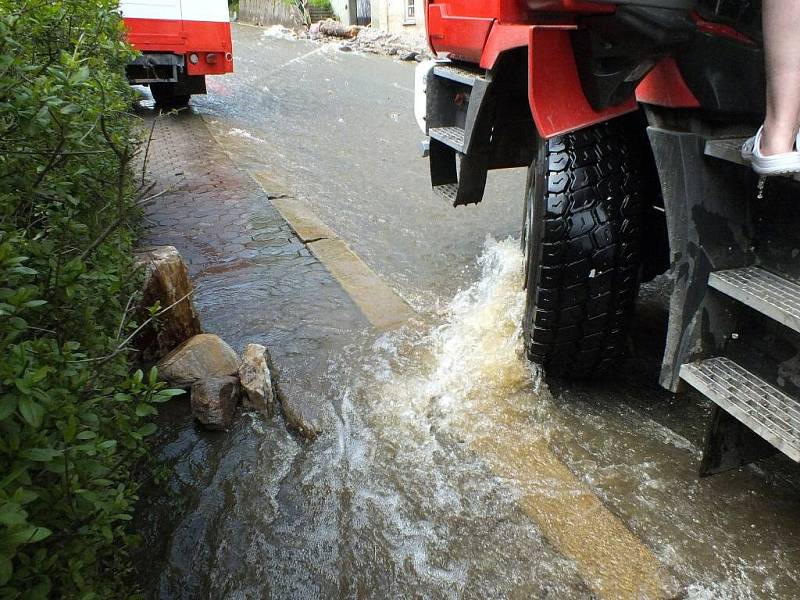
(305, 224)
(382, 307)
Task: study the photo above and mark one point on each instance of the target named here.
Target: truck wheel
(164, 95)
(582, 244)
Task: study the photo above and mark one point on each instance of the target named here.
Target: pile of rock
(190, 359)
(370, 40)
(218, 380)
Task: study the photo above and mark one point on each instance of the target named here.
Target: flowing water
(448, 469)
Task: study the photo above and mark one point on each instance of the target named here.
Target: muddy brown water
(448, 466)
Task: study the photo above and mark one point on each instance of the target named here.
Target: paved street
(445, 466)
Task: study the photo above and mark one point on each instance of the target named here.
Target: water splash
(463, 403)
(474, 358)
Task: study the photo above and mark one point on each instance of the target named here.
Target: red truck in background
(630, 115)
(181, 41)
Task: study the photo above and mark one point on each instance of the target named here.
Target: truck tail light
(211, 58)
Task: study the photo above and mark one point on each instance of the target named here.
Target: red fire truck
(181, 41)
(630, 115)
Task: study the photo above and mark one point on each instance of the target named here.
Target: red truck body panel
(183, 27)
(479, 31)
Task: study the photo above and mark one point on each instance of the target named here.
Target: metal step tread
(449, 191)
(730, 149)
(452, 136)
(769, 294)
(763, 408)
(456, 73)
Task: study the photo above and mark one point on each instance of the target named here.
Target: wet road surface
(447, 467)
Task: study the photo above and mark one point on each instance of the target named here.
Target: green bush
(322, 4)
(73, 419)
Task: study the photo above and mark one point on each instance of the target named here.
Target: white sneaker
(775, 164)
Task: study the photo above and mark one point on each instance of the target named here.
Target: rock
(214, 401)
(299, 411)
(391, 51)
(336, 29)
(256, 381)
(166, 281)
(345, 48)
(408, 56)
(200, 357)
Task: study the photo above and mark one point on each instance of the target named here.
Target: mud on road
(447, 467)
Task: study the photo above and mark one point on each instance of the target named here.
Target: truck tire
(164, 95)
(582, 243)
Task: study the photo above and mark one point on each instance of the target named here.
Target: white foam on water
(279, 32)
(243, 133)
(423, 395)
(474, 355)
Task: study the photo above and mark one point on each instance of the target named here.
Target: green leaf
(12, 513)
(8, 404)
(34, 303)
(79, 76)
(86, 435)
(41, 454)
(70, 428)
(148, 429)
(32, 412)
(23, 496)
(143, 410)
(70, 109)
(29, 535)
(6, 570)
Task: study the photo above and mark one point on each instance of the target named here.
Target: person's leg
(782, 52)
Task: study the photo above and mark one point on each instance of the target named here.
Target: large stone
(256, 380)
(214, 401)
(166, 281)
(299, 410)
(205, 355)
(337, 29)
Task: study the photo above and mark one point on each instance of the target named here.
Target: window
(410, 19)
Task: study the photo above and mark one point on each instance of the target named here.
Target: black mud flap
(730, 445)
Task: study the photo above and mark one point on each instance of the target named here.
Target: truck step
(730, 149)
(456, 73)
(450, 136)
(759, 406)
(769, 294)
(448, 191)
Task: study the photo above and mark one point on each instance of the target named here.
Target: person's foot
(782, 163)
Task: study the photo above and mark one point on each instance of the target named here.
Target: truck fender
(558, 103)
(555, 93)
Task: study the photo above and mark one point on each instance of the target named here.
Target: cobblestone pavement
(255, 280)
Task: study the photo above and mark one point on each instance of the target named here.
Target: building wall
(345, 11)
(269, 12)
(390, 15)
